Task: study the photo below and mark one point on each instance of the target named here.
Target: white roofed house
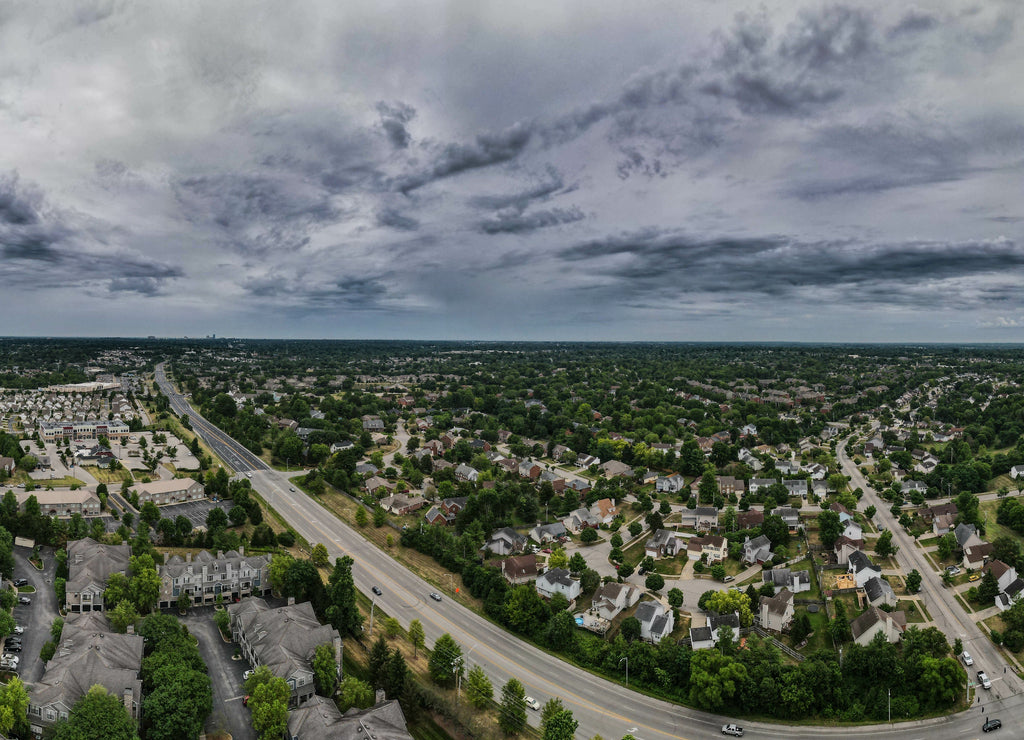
(466, 473)
(702, 518)
(558, 580)
(757, 550)
(656, 622)
(62, 503)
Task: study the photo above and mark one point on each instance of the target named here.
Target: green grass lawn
(993, 528)
(918, 615)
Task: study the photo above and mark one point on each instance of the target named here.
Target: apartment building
(232, 574)
(174, 491)
(90, 564)
(82, 430)
(62, 503)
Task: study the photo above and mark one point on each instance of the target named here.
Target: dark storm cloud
(18, 206)
(668, 263)
(302, 295)
(392, 219)
(521, 200)
(393, 119)
(143, 286)
(520, 223)
(914, 21)
(486, 150)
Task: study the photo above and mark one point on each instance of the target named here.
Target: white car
(245, 676)
(983, 680)
(734, 730)
(18, 629)
(532, 703)
(968, 660)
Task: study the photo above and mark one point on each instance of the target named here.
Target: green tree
(445, 663)
(884, 547)
(13, 707)
(588, 535)
(416, 636)
(727, 602)
(478, 688)
(380, 516)
(145, 582)
(829, 528)
(123, 616)
(561, 726)
(577, 563)
(216, 519)
(655, 582)
(989, 588)
(325, 669)
(947, 545)
(714, 679)
(97, 716)
(550, 709)
(320, 555)
(708, 487)
(590, 579)
(342, 609)
(354, 693)
(179, 703)
(362, 518)
(268, 703)
(512, 712)
(558, 558)
(913, 581)
(675, 597)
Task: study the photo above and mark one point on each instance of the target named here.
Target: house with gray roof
(581, 518)
(89, 653)
(789, 515)
(775, 613)
(505, 541)
(862, 568)
(701, 518)
(875, 621)
(656, 622)
(878, 592)
(558, 581)
(757, 550)
(233, 574)
(795, 580)
(706, 637)
(670, 484)
(610, 599)
(544, 533)
(661, 544)
(283, 639)
(796, 487)
(966, 535)
(90, 564)
(320, 719)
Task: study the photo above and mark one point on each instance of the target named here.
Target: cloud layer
(731, 171)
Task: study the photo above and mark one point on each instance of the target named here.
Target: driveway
(225, 676)
(37, 617)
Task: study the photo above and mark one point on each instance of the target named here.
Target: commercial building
(82, 430)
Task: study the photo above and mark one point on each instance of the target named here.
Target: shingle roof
(282, 639)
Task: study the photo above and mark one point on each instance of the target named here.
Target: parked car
(728, 579)
(435, 595)
(245, 676)
(12, 648)
(968, 660)
(983, 680)
(18, 629)
(734, 730)
(974, 577)
(19, 582)
(376, 590)
(532, 703)
(24, 600)
(992, 724)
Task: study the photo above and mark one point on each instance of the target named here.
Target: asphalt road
(600, 706)
(37, 617)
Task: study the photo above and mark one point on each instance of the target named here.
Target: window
(51, 715)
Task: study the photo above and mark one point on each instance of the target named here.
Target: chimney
(380, 697)
(128, 700)
(291, 601)
(337, 653)
(188, 557)
(131, 629)
(241, 550)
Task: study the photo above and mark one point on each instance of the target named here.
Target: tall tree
(512, 712)
(416, 636)
(829, 528)
(478, 688)
(561, 726)
(97, 716)
(325, 669)
(445, 663)
(342, 610)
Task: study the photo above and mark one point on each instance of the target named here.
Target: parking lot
(194, 511)
(37, 617)
(225, 676)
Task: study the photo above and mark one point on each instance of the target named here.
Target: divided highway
(600, 706)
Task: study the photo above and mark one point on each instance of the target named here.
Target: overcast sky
(702, 170)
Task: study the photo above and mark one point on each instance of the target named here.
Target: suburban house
(787, 467)
(174, 491)
(670, 484)
(616, 469)
(844, 546)
(467, 473)
(797, 487)
(776, 612)
(365, 468)
(875, 621)
(705, 638)
(749, 519)
(913, 486)
(796, 581)
(529, 469)
(579, 519)
(89, 653)
(661, 544)
(702, 518)
(966, 535)
(1016, 471)
(585, 461)
(605, 510)
(519, 569)
(712, 548)
(943, 523)
(436, 515)
(611, 598)
(756, 484)
(557, 481)
(757, 550)
(928, 513)
(878, 591)
(284, 640)
(7, 464)
(729, 485)
(853, 531)
(789, 515)
(975, 556)
(231, 574)
(90, 564)
(375, 483)
(656, 622)
(320, 719)
(558, 581)
(401, 504)
(861, 567)
(544, 533)
(1004, 574)
(505, 541)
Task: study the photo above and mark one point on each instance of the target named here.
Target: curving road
(600, 706)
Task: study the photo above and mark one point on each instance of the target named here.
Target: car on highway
(291, 488)
(19, 582)
(991, 724)
(968, 660)
(532, 703)
(734, 730)
(376, 590)
(435, 595)
(983, 680)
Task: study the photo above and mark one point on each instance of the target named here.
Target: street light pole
(627, 668)
(451, 584)
(889, 692)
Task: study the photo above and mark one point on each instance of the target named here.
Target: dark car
(376, 590)
(992, 724)
(19, 582)
(12, 648)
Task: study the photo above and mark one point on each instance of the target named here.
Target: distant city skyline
(709, 171)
